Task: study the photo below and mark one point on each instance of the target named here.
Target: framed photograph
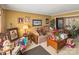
(36, 22)
(47, 21)
(20, 20)
(13, 34)
(27, 19)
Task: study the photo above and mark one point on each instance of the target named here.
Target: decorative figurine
(70, 43)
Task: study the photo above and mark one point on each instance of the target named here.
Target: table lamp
(25, 28)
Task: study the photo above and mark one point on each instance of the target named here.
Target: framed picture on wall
(13, 33)
(27, 19)
(37, 22)
(20, 20)
(47, 21)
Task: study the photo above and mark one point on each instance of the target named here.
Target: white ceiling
(46, 9)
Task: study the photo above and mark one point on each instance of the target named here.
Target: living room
(39, 29)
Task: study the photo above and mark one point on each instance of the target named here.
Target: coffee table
(57, 44)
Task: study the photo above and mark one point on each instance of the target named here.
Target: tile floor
(52, 51)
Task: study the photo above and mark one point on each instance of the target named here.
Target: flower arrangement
(56, 35)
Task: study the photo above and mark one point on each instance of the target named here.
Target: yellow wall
(12, 17)
(2, 20)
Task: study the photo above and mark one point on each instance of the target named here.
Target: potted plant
(52, 23)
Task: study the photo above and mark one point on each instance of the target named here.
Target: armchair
(39, 35)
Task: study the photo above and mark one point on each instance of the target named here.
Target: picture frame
(13, 33)
(36, 22)
(20, 20)
(47, 21)
(27, 19)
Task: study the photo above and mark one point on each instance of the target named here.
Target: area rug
(39, 50)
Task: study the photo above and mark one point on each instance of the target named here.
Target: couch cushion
(42, 38)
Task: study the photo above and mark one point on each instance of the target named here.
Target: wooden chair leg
(10, 52)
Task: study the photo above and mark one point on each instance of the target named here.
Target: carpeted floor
(39, 50)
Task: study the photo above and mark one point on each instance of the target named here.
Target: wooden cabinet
(52, 43)
(56, 44)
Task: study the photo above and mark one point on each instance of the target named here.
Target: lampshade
(25, 27)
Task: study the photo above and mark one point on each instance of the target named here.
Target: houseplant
(52, 23)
